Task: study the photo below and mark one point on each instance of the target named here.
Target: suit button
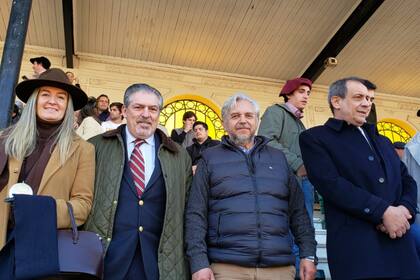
(367, 210)
(141, 202)
(371, 158)
(381, 180)
(16, 170)
(140, 228)
(108, 239)
(115, 202)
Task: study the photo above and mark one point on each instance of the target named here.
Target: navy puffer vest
(248, 205)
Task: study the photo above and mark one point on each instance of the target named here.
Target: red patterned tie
(137, 167)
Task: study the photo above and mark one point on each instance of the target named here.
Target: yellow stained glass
(171, 116)
(393, 132)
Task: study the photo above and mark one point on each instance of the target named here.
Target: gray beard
(242, 140)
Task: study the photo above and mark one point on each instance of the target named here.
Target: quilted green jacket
(176, 169)
(280, 125)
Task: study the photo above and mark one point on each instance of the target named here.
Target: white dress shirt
(148, 151)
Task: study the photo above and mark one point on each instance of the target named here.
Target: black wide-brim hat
(43, 60)
(53, 77)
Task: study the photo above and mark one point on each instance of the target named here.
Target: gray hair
(231, 102)
(21, 138)
(339, 88)
(144, 88)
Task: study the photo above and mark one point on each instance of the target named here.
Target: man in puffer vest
(243, 201)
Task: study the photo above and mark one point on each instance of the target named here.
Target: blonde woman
(43, 151)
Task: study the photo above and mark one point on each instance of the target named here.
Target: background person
(283, 124)
(15, 114)
(115, 117)
(411, 158)
(202, 141)
(40, 65)
(73, 79)
(90, 124)
(102, 104)
(399, 148)
(184, 136)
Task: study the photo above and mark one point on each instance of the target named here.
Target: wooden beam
(12, 57)
(68, 31)
(342, 37)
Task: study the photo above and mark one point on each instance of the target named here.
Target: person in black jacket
(243, 203)
(201, 141)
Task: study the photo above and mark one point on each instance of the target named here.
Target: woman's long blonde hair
(21, 138)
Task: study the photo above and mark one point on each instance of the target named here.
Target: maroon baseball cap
(292, 85)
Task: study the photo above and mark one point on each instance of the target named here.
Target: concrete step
(320, 232)
(325, 268)
(321, 253)
(321, 239)
(317, 225)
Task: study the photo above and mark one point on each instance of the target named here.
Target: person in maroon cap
(282, 123)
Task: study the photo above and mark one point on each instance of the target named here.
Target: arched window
(205, 110)
(395, 130)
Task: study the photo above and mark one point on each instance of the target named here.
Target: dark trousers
(136, 271)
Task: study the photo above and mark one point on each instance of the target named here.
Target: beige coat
(89, 128)
(71, 182)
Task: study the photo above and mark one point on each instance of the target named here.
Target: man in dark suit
(370, 200)
(142, 178)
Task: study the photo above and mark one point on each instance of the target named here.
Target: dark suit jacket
(358, 183)
(133, 253)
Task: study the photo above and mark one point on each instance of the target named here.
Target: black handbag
(80, 253)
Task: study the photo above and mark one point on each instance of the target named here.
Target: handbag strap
(75, 232)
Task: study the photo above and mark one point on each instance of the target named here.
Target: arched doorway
(205, 110)
(396, 130)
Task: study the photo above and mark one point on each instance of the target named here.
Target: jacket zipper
(251, 170)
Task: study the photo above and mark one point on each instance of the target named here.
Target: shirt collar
(296, 112)
(132, 139)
